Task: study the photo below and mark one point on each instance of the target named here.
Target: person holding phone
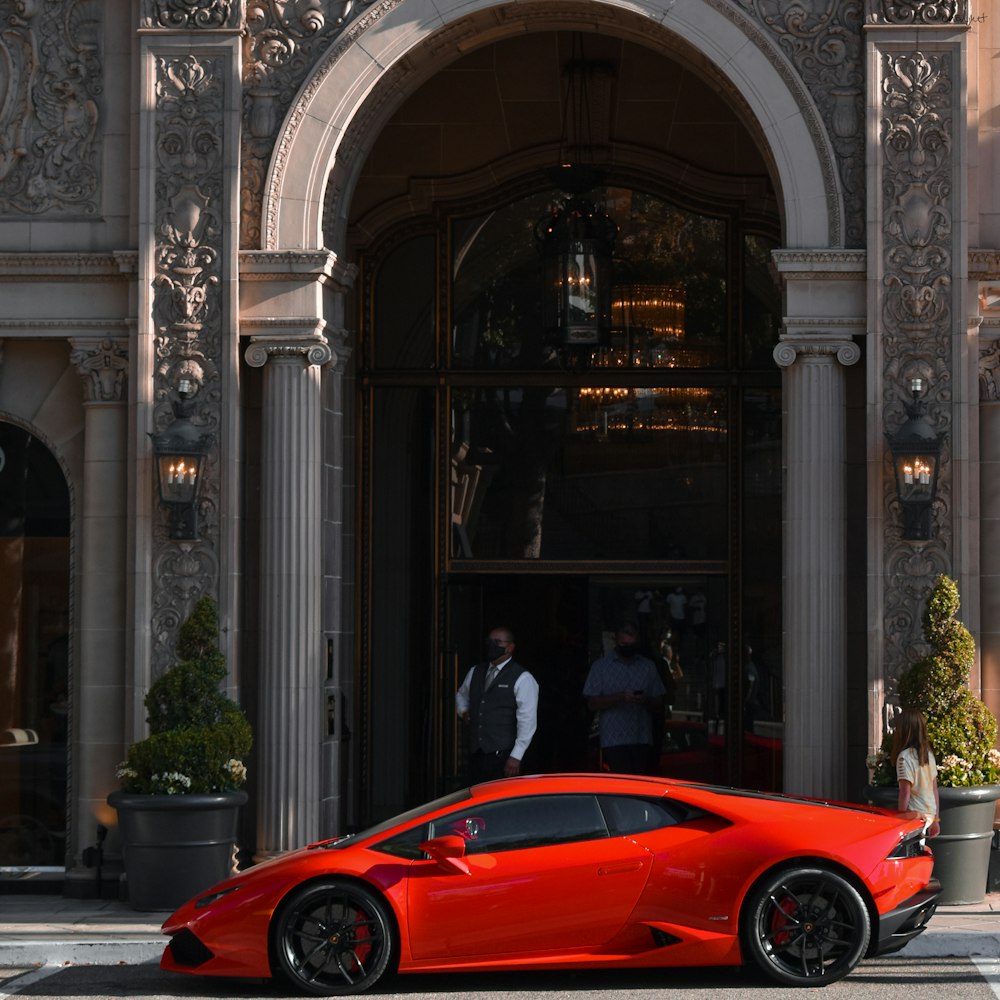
(625, 688)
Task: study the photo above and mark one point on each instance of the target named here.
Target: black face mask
(626, 652)
(493, 649)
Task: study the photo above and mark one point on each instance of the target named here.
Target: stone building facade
(302, 211)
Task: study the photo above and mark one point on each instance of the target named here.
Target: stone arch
(321, 150)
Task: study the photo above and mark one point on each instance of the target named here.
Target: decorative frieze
(51, 82)
(919, 12)
(190, 15)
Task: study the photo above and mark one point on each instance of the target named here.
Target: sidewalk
(54, 930)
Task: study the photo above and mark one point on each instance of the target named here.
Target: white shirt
(526, 697)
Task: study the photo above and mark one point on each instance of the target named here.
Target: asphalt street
(879, 979)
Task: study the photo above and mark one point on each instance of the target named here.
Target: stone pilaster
(188, 215)
(917, 270)
(815, 623)
(291, 660)
(99, 720)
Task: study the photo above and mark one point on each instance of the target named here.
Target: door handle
(620, 869)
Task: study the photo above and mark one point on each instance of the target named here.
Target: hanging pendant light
(576, 241)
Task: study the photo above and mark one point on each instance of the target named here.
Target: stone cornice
(14, 328)
(271, 265)
(67, 266)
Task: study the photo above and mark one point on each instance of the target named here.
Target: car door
(543, 875)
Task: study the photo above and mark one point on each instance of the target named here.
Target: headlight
(212, 897)
(911, 846)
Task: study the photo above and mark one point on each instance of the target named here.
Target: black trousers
(486, 766)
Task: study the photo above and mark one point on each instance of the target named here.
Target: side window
(632, 814)
(516, 824)
(406, 844)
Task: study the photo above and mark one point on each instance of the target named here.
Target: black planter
(175, 846)
(962, 849)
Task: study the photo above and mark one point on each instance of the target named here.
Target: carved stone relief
(822, 39)
(103, 365)
(918, 11)
(915, 136)
(187, 312)
(190, 14)
(51, 81)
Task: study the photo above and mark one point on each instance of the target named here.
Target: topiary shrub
(198, 737)
(961, 730)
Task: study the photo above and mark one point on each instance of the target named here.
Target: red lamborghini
(572, 871)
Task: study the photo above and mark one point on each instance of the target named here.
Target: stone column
(291, 678)
(99, 695)
(814, 552)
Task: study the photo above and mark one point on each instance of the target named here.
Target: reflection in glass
(589, 473)
(669, 296)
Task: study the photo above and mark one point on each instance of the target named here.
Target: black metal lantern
(180, 451)
(576, 243)
(916, 456)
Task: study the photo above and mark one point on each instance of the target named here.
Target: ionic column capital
(816, 348)
(311, 348)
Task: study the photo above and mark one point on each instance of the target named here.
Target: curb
(80, 951)
(952, 944)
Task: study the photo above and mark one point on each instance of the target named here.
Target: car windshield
(403, 818)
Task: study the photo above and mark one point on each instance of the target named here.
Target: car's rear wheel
(806, 926)
(334, 938)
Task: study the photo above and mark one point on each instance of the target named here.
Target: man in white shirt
(499, 700)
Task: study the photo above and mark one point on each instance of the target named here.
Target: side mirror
(448, 852)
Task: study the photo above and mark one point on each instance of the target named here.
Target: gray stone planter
(175, 846)
(962, 850)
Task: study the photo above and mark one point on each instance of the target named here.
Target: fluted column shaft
(814, 559)
(289, 733)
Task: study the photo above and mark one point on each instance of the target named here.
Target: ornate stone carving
(51, 80)
(916, 308)
(190, 14)
(103, 364)
(918, 11)
(822, 38)
(989, 371)
(312, 349)
(189, 108)
(790, 350)
(281, 43)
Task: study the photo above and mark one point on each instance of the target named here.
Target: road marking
(989, 969)
(36, 976)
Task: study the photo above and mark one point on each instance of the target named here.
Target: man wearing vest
(499, 700)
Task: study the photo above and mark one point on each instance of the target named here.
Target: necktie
(491, 676)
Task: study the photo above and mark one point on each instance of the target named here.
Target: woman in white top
(916, 769)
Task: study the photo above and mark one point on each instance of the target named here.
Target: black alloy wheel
(806, 926)
(334, 938)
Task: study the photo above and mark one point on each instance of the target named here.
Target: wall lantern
(180, 451)
(916, 454)
(575, 244)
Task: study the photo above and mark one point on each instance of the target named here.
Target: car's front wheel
(334, 938)
(806, 926)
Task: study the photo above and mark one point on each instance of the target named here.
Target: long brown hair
(910, 731)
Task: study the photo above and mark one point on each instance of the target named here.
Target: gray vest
(493, 713)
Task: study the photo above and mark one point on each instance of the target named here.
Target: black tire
(806, 926)
(334, 938)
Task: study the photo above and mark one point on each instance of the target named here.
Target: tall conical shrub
(961, 730)
(198, 737)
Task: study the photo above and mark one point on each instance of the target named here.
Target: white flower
(173, 782)
(237, 769)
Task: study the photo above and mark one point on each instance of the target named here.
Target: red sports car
(573, 871)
